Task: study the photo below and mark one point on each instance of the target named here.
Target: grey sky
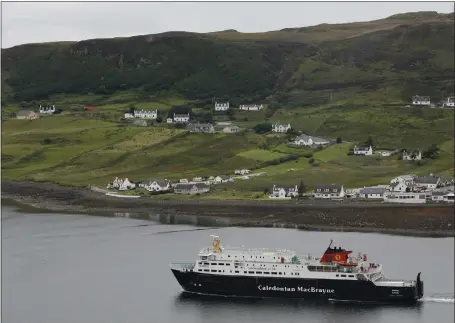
(33, 22)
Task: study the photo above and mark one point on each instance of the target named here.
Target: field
(86, 150)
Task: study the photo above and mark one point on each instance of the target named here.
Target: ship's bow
(184, 274)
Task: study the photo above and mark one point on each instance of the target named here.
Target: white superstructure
(284, 263)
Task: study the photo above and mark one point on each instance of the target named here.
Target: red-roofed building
(91, 108)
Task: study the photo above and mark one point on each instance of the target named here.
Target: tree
(262, 128)
(339, 140)
(302, 188)
(369, 142)
(159, 119)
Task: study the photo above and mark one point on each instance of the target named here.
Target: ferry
(337, 276)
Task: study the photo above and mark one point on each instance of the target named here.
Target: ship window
(319, 268)
(221, 264)
(213, 271)
(203, 257)
(206, 270)
(244, 272)
(350, 275)
(199, 270)
(279, 273)
(236, 271)
(227, 264)
(251, 272)
(343, 275)
(338, 275)
(311, 268)
(273, 273)
(259, 272)
(266, 273)
(229, 256)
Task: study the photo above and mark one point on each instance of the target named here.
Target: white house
(221, 106)
(281, 128)
(169, 120)
(129, 115)
(251, 107)
(450, 103)
(47, 110)
(146, 114)
(242, 171)
(407, 179)
(364, 151)
(373, 192)
(222, 179)
(329, 191)
(421, 100)
(156, 185)
(409, 198)
(412, 155)
(305, 140)
(427, 182)
(283, 191)
(122, 184)
(181, 118)
(399, 186)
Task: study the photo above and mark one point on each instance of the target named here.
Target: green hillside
(352, 81)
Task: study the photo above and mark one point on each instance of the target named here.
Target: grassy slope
(334, 87)
(85, 151)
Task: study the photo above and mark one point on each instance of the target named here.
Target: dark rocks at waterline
(415, 219)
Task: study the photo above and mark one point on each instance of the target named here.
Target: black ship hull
(297, 288)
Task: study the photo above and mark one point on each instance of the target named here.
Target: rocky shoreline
(422, 220)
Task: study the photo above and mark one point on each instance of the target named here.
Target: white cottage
(146, 114)
(181, 118)
(47, 110)
(281, 128)
(283, 191)
(421, 100)
(412, 155)
(160, 185)
(449, 103)
(305, 140)
(221, 106)
(364, 151)
(122, 184)
(251, 107)
(329, 191)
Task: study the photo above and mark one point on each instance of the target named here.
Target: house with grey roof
(421, 100)
(201, 127)
(157, 185)
(363, 151)
(373, 192)
(284, 191)
(231, 129)
(192, 189)
(429, 182)
(306, 140)
(329, 191)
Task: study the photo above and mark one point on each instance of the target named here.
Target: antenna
(330, 245)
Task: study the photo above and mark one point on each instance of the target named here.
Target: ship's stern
(419, 287)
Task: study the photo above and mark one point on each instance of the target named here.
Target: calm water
(74, 268)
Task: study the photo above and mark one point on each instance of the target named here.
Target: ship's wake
(439, 298)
